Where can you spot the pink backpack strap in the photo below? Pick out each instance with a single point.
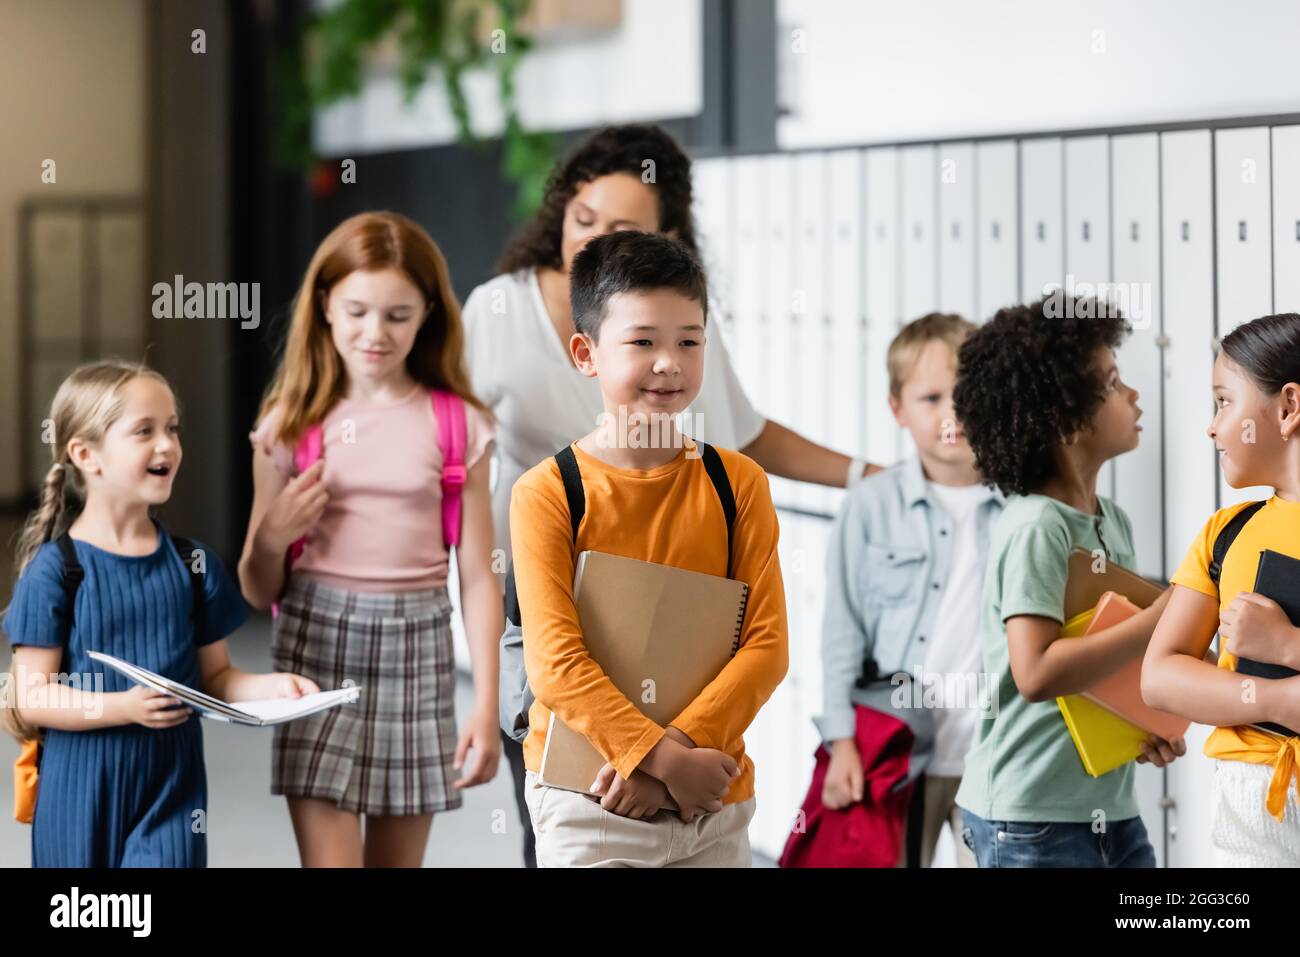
(309, 449)
(449, 413)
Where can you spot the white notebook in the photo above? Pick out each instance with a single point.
(255, 713)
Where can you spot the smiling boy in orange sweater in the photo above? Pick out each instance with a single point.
(640, 308)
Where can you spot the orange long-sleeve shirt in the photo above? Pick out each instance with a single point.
(669, 515)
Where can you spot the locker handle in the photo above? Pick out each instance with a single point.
(1241, 230)
(1133, 231)
(956, 230)
(1086, 230)
(1042, 230)
(916, 231)
(998, 229)
(1297, 230)
(1187, 231)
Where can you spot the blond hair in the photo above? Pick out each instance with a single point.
(912, 338)
(86, 405)
(310, 377)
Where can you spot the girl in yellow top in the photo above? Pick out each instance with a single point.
(1255, 426)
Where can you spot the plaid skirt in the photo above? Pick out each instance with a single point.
(391, 752)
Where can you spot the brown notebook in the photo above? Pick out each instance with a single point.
(660, 633)
(1084, 587)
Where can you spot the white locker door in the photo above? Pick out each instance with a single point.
(779, 339)
(1244, 245)
(1042, 257)
(957, 187)
(1087, 213)
(747, 297)
(882, 300)
(1187, 289)
(1135, 232)
(1087, 233)
(846, 283)
(997, 279)
(713, 214)
(919, 222)
(810, 316)
(1135, 192)
(1286, 219)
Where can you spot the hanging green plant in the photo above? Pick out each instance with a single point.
(446, 38)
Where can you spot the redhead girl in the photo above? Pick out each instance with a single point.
(375, 337)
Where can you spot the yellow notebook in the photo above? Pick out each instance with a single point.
(1105, 741)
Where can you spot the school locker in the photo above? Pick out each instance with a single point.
(1187, 292)
(810, 315)
(1042, 257)
(1135, 205)
(778, 338)
(1087, 233)
(1286, 219)
(747, 284)
(713, 201)
(882, 299)
(997, 278)
(1187, 289)
(1243, 245)
(918, 245)
(957, 180)
(847, 342)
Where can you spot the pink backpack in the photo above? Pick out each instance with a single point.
(449, 413)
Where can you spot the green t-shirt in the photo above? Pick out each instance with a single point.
(1023, 765)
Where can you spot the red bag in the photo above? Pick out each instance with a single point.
(870, 832)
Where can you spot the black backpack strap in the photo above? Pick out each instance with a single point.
(186, 549)
(1227, 536)
(722, 485)
(568, 464)
(73, 575)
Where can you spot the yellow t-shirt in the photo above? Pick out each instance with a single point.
(1276, 526)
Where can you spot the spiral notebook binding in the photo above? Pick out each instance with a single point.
(740, 619)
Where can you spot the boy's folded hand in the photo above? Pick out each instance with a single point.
(638, 797)
(698, 779)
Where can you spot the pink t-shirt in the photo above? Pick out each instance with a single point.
(382, 527)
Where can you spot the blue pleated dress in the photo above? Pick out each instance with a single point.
(126, 796)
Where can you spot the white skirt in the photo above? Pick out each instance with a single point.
(1244, 833)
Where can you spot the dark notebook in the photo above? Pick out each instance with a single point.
(1278, 578)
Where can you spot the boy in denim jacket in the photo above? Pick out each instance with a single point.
(905, 572)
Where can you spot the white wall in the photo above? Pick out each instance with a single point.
(879, 70)
(649, 68)
(57, 104)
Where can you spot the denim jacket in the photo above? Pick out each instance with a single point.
(888, 559)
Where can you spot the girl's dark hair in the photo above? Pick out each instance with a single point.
(615, 149)
(1026, 381)
(1268, 349)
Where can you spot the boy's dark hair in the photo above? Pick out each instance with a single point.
(1267, 349)
(1027, 380)
(630, 261)
(614, 149)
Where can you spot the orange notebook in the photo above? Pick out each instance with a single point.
(1121, 691)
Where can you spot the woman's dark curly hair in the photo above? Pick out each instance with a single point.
(1027, 380)
(615, 149)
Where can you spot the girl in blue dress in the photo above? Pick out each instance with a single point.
(121, 774)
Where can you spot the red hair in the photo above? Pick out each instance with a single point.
(311, 377)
